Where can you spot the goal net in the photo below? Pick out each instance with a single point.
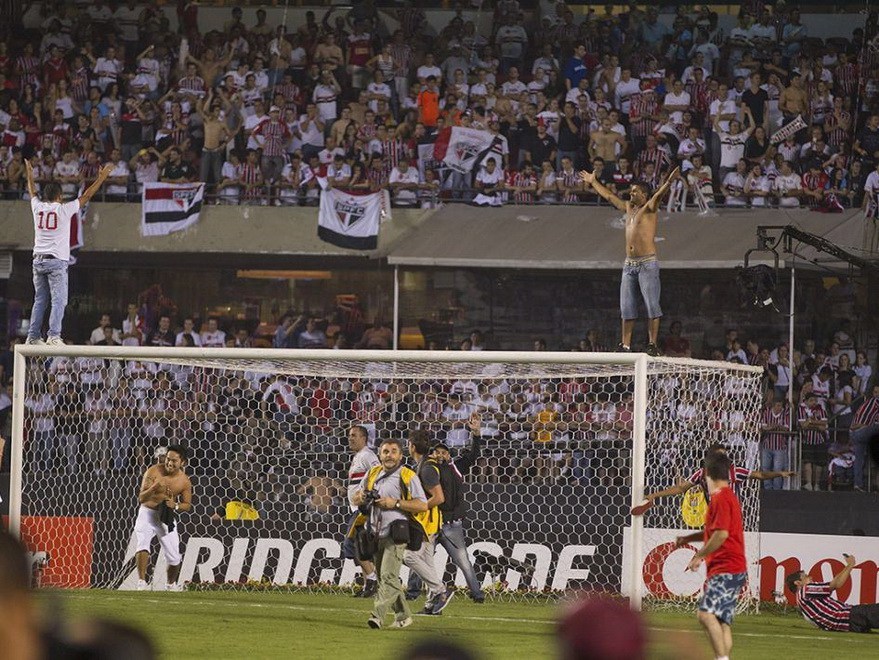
(569, 441)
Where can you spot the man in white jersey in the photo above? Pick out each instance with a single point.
(52, 251)
(364, 459)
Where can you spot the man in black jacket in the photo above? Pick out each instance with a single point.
(454, 508)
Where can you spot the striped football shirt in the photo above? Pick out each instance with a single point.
(822, 609)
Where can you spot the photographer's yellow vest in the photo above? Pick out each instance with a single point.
(430, 520)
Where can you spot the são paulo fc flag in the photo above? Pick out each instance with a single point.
(349, 219)
(170, 207)
(460, 147)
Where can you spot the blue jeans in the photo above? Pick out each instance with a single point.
(640, 274)
(50, 286)
(774, 460)
(451, 537)
(861, 442)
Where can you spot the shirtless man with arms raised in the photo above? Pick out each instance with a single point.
(163, 484)
(641, 269)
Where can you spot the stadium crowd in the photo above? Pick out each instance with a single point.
(563, 431)
(260, 111)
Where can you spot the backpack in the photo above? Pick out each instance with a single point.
(453, 490)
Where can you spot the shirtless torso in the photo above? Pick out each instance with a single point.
(159, 486)
(640, 231)
(214, 133)
(604, 144)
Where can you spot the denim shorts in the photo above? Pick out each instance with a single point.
(721, 595)
(640, 274)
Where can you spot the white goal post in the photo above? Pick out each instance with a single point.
(570, 442)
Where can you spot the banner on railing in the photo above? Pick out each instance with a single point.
(170, 207)
(350, 220)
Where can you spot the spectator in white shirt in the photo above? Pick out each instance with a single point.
(788, 186)
(625, 89)
(732, 144)
(213, 337)
(677, 102)
(229, 187)
(188, 329)
(428, 69)
(338, 172)
(98, 333)
(512, 40)
(709, 52)
(693, 144)
(117, 182)
(758, 187)
(698, 63)
(131, 330)
(734, 185)
(404, 181)
(312, 336)
(378, 89)
(489, 182)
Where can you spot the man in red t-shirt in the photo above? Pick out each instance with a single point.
(724, 554)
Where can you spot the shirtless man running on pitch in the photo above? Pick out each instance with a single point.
(641, 269)
(164, 492)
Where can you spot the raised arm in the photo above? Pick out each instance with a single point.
(679, 488)
(589, 179)
(92, 189)
(840, 578)
(31, 188)
(653, 204)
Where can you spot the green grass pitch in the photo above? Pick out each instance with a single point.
(315, 627)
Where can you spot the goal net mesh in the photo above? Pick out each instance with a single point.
(549, 494)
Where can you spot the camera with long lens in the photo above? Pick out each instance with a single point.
(369, 497)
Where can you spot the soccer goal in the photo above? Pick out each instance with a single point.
(569, 442)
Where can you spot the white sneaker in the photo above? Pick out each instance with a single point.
(807, 486)
(404, 623)
(142, 585)
(54, 341)
(35, 342)
(173, 586)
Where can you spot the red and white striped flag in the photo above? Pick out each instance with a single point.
(170, 207)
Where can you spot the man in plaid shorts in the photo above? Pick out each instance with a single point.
(724, 553)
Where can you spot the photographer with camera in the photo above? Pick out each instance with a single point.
(389, 496)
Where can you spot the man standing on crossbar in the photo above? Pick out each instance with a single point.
(641, 269)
